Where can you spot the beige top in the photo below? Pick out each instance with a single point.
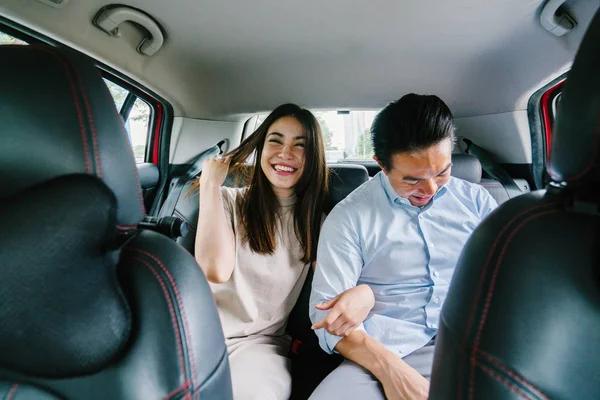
(263, 289)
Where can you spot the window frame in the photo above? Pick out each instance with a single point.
(548, 110)
(541, 117)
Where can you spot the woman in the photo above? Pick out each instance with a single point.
(263, 239)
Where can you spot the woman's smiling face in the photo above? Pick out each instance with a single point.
(282, 158)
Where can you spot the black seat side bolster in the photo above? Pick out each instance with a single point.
(194, 314)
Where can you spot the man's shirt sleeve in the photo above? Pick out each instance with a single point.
(485, 202)
(339, 265)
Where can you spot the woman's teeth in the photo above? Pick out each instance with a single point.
(282, 168)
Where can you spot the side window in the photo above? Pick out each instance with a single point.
(7, 39)
(136, 116)
(118, 93)
(138, 127)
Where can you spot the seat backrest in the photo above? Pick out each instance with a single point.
(468, 167)
(521, 317)
(91, 307)
(343, 178)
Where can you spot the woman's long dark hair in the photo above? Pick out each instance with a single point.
(259, 207)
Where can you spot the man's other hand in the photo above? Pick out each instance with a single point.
(400, 381)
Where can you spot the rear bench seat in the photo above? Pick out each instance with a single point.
(344, 178)
(310, 364)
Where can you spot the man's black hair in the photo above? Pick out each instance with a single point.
(412, 123)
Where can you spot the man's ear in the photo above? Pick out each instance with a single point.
(380, 164)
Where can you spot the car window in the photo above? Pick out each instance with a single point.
(7, 39)
(138, 126)
(118, 93)
(346, 134)
(136, 118)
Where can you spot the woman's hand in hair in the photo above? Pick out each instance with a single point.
(215, 241)
(348, 310)
(215, 171)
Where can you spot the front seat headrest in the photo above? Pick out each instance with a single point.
(575, 158)
(58, 118)
(63, 313)
(467, 167)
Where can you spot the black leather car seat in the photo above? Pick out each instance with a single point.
(91, 307)
(523, 310)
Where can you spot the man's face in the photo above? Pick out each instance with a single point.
(418, 176)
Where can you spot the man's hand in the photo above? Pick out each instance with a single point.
(348, 310)
(400, 381)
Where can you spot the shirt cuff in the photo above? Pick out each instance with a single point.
(330, 341)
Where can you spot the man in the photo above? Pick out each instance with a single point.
(401, 234)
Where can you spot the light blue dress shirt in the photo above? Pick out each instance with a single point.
(406, 254)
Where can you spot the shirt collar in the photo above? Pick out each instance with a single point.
(397, 200)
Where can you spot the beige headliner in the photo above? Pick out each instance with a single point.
(224, 58)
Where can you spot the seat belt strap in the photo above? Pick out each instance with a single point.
(193, 171)
(493, 169)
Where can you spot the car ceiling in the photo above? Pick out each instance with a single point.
(225, 59)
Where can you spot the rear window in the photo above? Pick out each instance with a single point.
(346, 134)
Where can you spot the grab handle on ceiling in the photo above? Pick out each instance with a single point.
(554, 21)
(109, 18)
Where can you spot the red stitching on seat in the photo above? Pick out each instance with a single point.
(480, 288)
(491, 291)
(171, 311)
(514, 375)
(88, 167)
(185, 386)
(12, 392)
(90, 119)
(503, 381)
(187, 332)
(127, 227)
